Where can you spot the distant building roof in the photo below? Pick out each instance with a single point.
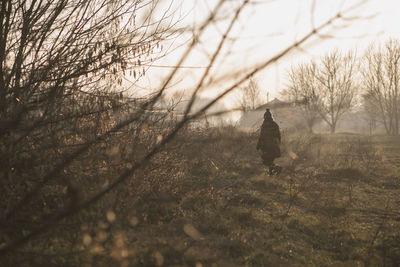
(275, 103)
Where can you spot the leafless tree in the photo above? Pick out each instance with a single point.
(370, 106)
(250, 95)
(337, 86)
(304, 89)
(61, 64)
(381, 81)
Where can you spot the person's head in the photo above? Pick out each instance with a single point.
(267, 114)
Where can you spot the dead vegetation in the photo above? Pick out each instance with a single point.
(206, 200)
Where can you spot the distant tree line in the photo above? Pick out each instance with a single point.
(332, 85)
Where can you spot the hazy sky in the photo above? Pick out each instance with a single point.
(266, 27)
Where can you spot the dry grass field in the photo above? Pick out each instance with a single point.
(206, 201)
(337, 203)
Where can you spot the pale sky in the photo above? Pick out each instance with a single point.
(265, 28)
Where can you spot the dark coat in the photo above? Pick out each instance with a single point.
(270, 139)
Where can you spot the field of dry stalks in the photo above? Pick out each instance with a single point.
(337, 203)
(206, 201)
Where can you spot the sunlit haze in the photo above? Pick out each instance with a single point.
(264, 29)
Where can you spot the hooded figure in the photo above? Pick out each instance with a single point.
(268, 143)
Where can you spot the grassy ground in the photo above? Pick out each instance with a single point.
(206, 201)
(337, 203)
